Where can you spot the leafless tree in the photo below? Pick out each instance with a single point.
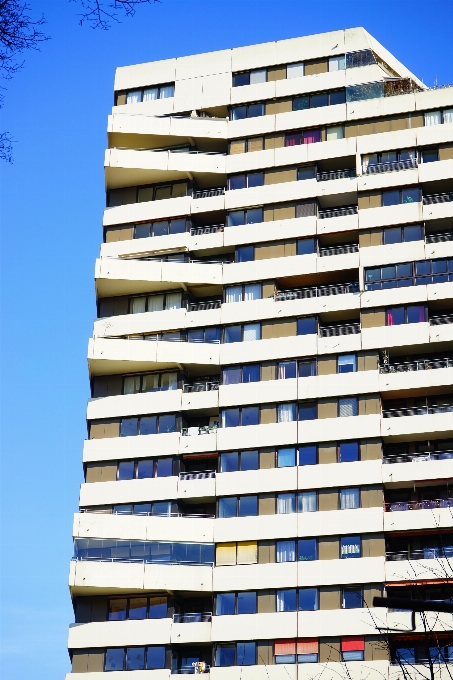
(100, 14)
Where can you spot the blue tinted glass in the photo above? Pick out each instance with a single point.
(236, 218)
(255, 179)
(229, 462)
(237, 182)
(286, 600)
(114, 659)
(307, 368)
(347, 363)
(250, 416)
(135, 659)
(318, 100)
(251, 373)
(241, 79)
(245, 254)
(308, 411)
(123, 510)
(160, 228)
(413, 233)
(239, 113)
(423, 267)
(145, 469)
(248, 506)
(167, 424)
(392, 236)
(255, 110)
(416, 314)
(142, 230)
(350, 547)
(404, 269)
(405, 655)
(391, 197)
(286, 457)
(164, 467)
(227, 507)
(212, 335)
(225, 603)
(373, 274)
(178, 226)
(353, 655)
(307, 658)
(439, 266)
(249, 460)
(352, 598)
(195, 336)
(349, 452)
(126, 470)
(285, 658)
(155, 657)
(410, 195)
(308, 599)
(246, 654)
(286, 551)
(129, 427)
(148, 425)
(306, 172)
(301, 103)
(225, 656)
(306, 246)
(306, 325)
(254, 215)
(247, 603)
(307, 549)
(138, 607)
(162, 508)
(231, 417)
(233, 334)
(388, 272)
(395, 316)
(117, 610)
(337, 97)
(308, 455)
(231, 376)
(142, 508)
(287, 370)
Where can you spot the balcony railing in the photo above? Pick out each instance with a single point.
(417, 457)
(390, 167)
(335, 174)
(200, 306)
(195, 431)
(420, 554)
(417, 411)
(340, 329)
(163, 337)
(339, 250)
(102, 511)
(400, 506)
(212, 229)
(337, 212)
(197, 668)
(202, 617)
(419, 365)
(204, 474)
(206, 193)
(441, 319)
(438, 198)
(316, 291)
(202, 386)
(441, 237)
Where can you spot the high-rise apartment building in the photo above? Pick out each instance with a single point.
(270, 434)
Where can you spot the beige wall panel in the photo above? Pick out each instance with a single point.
(268, 414)
(327, 454)
(327, 499)
(276, 73)
(266, 505)
(373, 546)
(372, 497)
(329, 650)
(329, 598)
(327, 365)
(328, 548)
(327, 408)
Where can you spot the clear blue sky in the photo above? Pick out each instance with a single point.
(52, 200)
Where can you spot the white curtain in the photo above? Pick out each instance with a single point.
(138, 305)
(350, 549)
(233, 294)
(131, 384)
(252, 291)
(349, 499)
(286, 503)
(169, 381)
(286, 369)
(258, 76)
(448, 116)
(308, 501)
(286, 413)
(167, 91)
(155, 303)
(337, 63)
(150, 94)
(286, 551)
(348, 407)
(134, 97)
(335, 132)
(252, 331)
(151, 382)
(295, 70)
(433, 118)
(173, 301)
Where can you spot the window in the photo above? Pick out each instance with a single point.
(134, 658)
(286, 503)
(306, 172)
(236, 654)
(247, 111)
(287, 600)
(210, 335)
(243, 293)
(349, 499)
(245, 254)
(307, 368)
(430, 155)
(239, 460)
(245, 333)
(155, 657)
(308, 410)
(337, 63)
(155, 303)
(241, 417)
(318, 99)
(149, 94)
(241, 374)
(246, 145)
(118, 550)
(286, 413)
(240, 217)
(405, 157)
(307, 501)
(295, 70)
(348, 406)
(413, 232)
(286, 370)
(308, 455)
(334, 132)
(348, 452)
(236, 603)
(250, 77)
(308, 599)
(307, 325)
(114, 660)
(347, 363)
(286, 551)
(433, 118)
(397, 196)
(163, 228)
(225, 604)
(307, 246)
(286, 457)
(352, 648)
(396, 316)
(350, 547)
(307, 549)
(145, 468)
(352, 597)
(407, 274)
(360, 58)
(148, 425)
(304, 137)
(247, 181)
(300, 651)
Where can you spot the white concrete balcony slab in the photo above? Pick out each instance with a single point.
(140, 446)
(178, 577)
(325, 115)
(256, 481)
(136, 404)
(340, 343)
(254, 626)
(390, 215)
(153, 245)
(441, 333)
(417, 471)
(269, 391)
(120, 633)
(340, 622)
(334, 187)
(255, 577)
(207, 204)
(416, 520)
(121, 122)
(384, 180)
(395, 296)
(271, 268)
(257, 528)
(418, 570)
(337, 262)
(144, 322)
(337, 429)
(265, 672)
(393, 382)
(320, 81)
(150, 210)
(335, 475)
(332, 225)
(256, 436)
(395, 336)
(385, 106)
(191, 633)
(435, 622)
(433, 172)
(161, 674)
(128, 491)
(383, 141)
(331, 572)
(244, 162)
(269, 231)
(251, 126)
(338, 384)
(336, 148)
(198, 443)
(196, 488)
(88, 577)
(267, 350)
(253, 93)
(270, 193)
(414, 427)
(438, 211)
(200, 400)
(375, 256)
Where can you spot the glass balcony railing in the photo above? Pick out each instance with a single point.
(148, 552)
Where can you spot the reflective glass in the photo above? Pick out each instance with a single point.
(348, 452)
(391, 197)
(126, 470)
(353, 655)
(164, 467)
(239, 112)
(145, 469)
(227, 507)
(307, 368)
(250, 416)
(230, 417)
(195, 336)
(395, 316)
(166, 91)
(167, 424)
(252, 331)
(117, 610)
(148, 425)
(439, 266)
(237, 182)
(416, 314)
(231, 376)
(150, 383)
(155, 657)
(373, 274)
(248, 506)
(318, 100)
(247, 603)
(393, 235)
(306, 246)
(306, 172)
(233, 334)
(129, 427)
(178, 226)
(251, 373)
(352, 598)
(388, 272)
(225, 604)
(142, 509)
(160, 228)
(286, 457)
(142, 230)
(241, 79)
(410, 195)
(286, 600)
(347, 363)
(337, 97)
(245, 254)
(307, 549)
(308, 411)
(308, 599)
(405, 655)
(249, 460)
(212, 335)
(229, 462)
(349, 499)
(258, 75)
(430, 155)
(308, 455)
(287, 370)
(255, 179)
(123, 509)
(255, 110)
(423, 267)
(169, 381)
(389, 157)
(162, 508)
(306, 325)
(254, 215)
(301, 103)
(236, 218)
(114, 659)
(138, 607)
(404, 269)
(350, 547)
(225, 655)
(131, 384)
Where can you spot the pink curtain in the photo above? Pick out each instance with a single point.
(312, 136)
(293, 139)
(390, 317)
(284, 647)
(421, 314)
(307, 646)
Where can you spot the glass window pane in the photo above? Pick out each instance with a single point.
(164, 467)
(255, 110)
(241, 79)
(307, 501)
(247, 603)
(337, 63)
(350, 546)
(225, 603)
(255, 179)
(236, 218)
(250, 416)
(423, 267)
(231, 376)
(295, 70)
(286, 457)
(347, 363)
(162, 193)
(416, 314)
(195, 336)
(178, 226)
(254, 215)
(237, 182)
(225, 655)
(155, 657)
(404, 269)
(391, 197)
(352, 598)
(167, 424)
(148, 425)
(306, 172)
(286, 413)
(245, 254)
(114, 659)
(348, 407)
(233, 334)
(286, 503)
(430, 155)
(252, 291)
(388, 272)
(393, 235)
(142, 508)
(252, 331)
(258, 76)
(286, 600)
(318, 100)
(239, 112)
(162, 508)
(334, 132)
(353, 656)
(212, 335)
(131, 384)
(150, 94)
(293, 138)
(410, 195)
(230, 417)
(145, 469)
(300, 104)
(349, 499)
(433, 118)
(306, 325)
(137, 305)
(173, 301)
(138, 607)
(135, 658)
(308, 599)
(227, 507)
(126, 470)
(251, 373)
(286, 551)
(308, 455)
(348, 452)
(307, 368)
(229, 462)
(166, 91)
(117, 609)
(338, 97)
(439, 266)
(287, 370)
(249, 460)
(142, 231)
(307, 549)
(395, 316)
(169, 381)
(306, 246)
(134, 97)
(160, 228)
(246, 653)
(123, 510)
(308, 411)
(150, 383)
(312, 136)
(233, 294)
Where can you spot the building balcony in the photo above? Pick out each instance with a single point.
(335, 174)
(434, 199)
(339, 329)
(441, 237)
(201, 617)
(417, 365)
(342, 211)
(211, 229)
(338, 250)
(401, 506)
(376, 168)
(316, 291)
(201, 386)
(417, 411)
(417, 457)
(207, 193)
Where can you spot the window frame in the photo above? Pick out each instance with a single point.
(401, 190)
(405, 308)
(246, 176)
(247, 106)
(158, 417)
(244, 286)
(158, 87)
(246, 212)
(311, 95)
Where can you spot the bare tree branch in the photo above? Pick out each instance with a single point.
(6, 147)
(18, 33)
(100, 14)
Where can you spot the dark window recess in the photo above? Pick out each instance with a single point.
(147, 468)
(399, 196)
(319, 99)
(303, 137)
(134, 658)
(150, 382)
(396, 316)
(240, 217)
(233, 461)
(144, 193)
(147, 94)
(411, 232)
(154, 607)
(390, 160)
(246, 181)
(409, 273)
(149, 425)
(162, 228)
(247, 111)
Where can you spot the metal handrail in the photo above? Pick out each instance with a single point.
(431, 199)
(338, 212)
(147, 514)
(398, 506)
(417, 457)
(419, 554)
(343, 329)
(441, 319)
(202, 386)
(417, 411)
(204, 474)
(160, 337)
(419, 365)
(339, 250)
(316, 291)
(390, 167)
(197, 668)
(440, 237)
(212, 229)
(335, 174)
(206, 193)
(198, 617)
(201, 306)
(139, 560)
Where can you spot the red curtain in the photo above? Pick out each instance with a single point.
(352, 644)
